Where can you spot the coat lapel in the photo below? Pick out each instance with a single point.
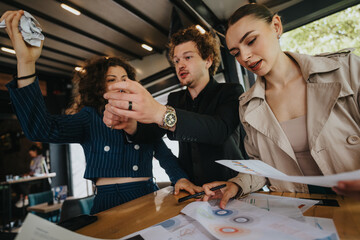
(322, 93)
(321, 98)
(255, 115)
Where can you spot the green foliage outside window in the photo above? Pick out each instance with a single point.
(332, 33)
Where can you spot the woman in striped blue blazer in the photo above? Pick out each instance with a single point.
(121, 170)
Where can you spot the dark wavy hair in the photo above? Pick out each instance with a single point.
(257, 10)
(207, 45)
(36, 149)
(89, 84)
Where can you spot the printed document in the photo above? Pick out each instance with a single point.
(244, 221)
(259, 168)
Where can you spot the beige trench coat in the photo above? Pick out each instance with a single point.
(333, 119)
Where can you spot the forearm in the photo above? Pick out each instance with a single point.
(37, 123)
(146, 133)
(248, 183)
(175, 173)
(25, 69)
(195, 127)
(173, 169)
(26, 55)
(169, 162)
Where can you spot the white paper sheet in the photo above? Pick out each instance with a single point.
(286, 206)
(258, 199)
(152, 233)
(257, 167)
(179, 227)
(243, 221)
(186, 228)
(323, 224)
(36, 228)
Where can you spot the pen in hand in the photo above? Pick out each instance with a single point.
(200, 193)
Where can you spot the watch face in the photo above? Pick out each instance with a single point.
(170, 119)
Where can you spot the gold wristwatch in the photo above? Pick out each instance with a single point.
(169, 119)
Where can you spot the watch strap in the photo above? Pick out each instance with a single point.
(168, 110)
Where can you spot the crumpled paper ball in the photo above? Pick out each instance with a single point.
(29, 28)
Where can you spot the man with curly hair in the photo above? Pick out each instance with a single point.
(203, 117)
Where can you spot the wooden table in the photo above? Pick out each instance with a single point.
(161, 205)
(6, 195)
(28, 179)
(44, 207)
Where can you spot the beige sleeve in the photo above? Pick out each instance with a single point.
(248, 183)
(354, 66)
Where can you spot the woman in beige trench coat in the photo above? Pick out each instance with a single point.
(302, 114)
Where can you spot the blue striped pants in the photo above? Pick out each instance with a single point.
(108, 196)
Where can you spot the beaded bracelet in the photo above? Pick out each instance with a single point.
(25, 77)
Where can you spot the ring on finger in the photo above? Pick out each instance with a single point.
(130, 105)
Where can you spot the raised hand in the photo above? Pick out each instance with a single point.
(144, 109)
(26, 55)
(24, 52)
(113, 121)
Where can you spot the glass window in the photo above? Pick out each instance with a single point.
(329, 34)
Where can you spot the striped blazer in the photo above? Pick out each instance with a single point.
(107, 152)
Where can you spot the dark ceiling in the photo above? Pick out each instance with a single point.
(120, 27)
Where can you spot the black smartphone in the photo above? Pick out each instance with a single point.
(325, 202)
(78, 222)
(328, 202)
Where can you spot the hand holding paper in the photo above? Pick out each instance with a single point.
(26, 54)
(29, 28)
(349, 188)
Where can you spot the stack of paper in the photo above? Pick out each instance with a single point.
(258, 216)
(241, 220)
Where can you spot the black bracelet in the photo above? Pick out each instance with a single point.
(25, 77)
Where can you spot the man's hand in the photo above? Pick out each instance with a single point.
(145, 108)
(224, 194)
(184, 184)
(348, 188)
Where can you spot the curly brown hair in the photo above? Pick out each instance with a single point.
(207, 45)
(89, 85)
